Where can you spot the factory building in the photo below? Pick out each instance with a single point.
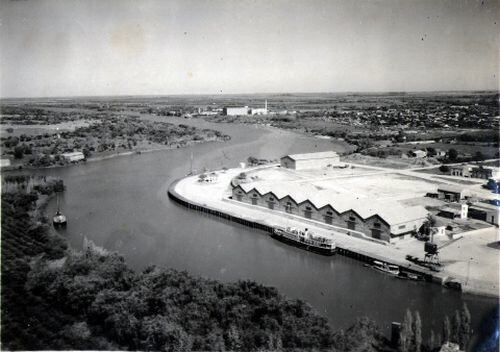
(310, 160)
(380, 221)
(236, 111)
(239, 111)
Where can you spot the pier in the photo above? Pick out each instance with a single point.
(214, 199)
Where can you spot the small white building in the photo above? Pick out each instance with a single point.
(461, 170)
(420, 153)
(310, 160)
(4, 162)
(236, 111)
(73, 157)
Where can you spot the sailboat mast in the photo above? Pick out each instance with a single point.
(191, 167)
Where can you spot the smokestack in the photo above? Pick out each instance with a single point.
(266, 104)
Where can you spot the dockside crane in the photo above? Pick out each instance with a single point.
(432, 250)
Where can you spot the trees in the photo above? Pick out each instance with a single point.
(18, 152)
(406, 333)
(479, 156)
(444, 169)
(410, 338)
(417, 332)
(452, 154)
(446, 329)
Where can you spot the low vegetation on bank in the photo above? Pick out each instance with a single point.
(107, 134)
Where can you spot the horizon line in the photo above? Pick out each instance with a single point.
(254, 93)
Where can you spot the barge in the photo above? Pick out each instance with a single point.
(305, 240)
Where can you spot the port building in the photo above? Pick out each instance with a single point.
(310, 160)
(386, 221)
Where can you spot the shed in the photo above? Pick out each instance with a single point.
(450, 193)
(486, 212)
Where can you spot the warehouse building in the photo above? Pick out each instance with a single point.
(236, 111)
(310, 160)
(382, 221)
(450, 193)
(485, 212)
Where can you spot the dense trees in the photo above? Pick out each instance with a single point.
(452, 154)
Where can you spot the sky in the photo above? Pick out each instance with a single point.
(88, 48)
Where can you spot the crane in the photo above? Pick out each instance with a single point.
(432, 250)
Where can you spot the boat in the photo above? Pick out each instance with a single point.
(59, 220)
(390, 269)
(409, 276)
(305, 239)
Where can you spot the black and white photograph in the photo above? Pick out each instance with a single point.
(250, 175)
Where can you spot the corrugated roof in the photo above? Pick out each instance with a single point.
(392, 212)
(319, 155)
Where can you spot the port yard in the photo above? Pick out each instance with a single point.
(472, 260)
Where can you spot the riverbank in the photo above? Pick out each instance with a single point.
(113, 155)
(473, 275)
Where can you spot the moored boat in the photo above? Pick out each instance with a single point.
(390, 269)
(59, 219)
(305, 239)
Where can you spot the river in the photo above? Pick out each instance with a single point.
(122, 204)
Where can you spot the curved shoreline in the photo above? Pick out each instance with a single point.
(178, 198)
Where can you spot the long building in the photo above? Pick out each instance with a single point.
(236, 111)
(245, 110)
(310, 160)
(386, 221)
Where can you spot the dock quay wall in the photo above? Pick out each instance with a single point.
(174, 196)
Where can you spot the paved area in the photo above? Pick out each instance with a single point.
(473, 260)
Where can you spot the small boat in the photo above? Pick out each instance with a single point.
(59, 220)
(305, 239)
(390, 269)
(409, 276)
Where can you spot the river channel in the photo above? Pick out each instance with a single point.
(122, 205)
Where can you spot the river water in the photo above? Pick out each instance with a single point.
(122, 204)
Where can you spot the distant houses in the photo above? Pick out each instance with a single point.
(475, 171)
